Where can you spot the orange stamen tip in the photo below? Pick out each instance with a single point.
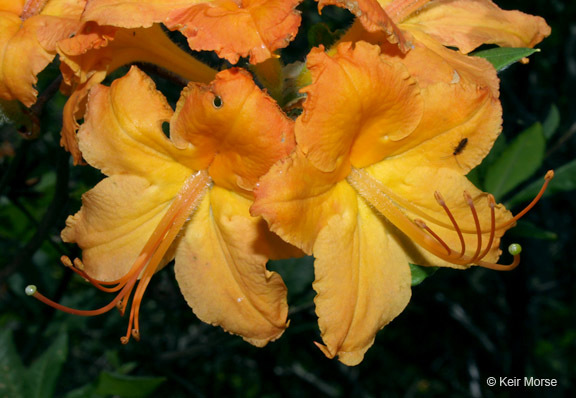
(136, 334)
(468, 198)
(549, 175)
(439, 198)
(124, 340)
(66, 261)
(420, 223)
(30, 290)
(79, 264)
(491, 201)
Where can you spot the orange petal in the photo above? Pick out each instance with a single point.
(26, 48)
(467, 24)
(116, 219)
(373, 18)
(232, 127)
(233, 29)
(128, 117)
(221, 270)
(297, 199)
(131, 13)
(362, 281)
(358, 104)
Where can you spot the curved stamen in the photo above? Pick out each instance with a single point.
(424, 236)
(470, 202)
(442, 203)
(148, 261)
(547, 178)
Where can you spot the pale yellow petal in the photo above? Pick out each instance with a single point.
(117, 218)
(362, 280)
(221, 270)
(128, 117)
(467, 24)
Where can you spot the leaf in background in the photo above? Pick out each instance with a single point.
(44, 371)
(550, 125)
(321, 34)
(127, 386)
(564, 180)
(503, 57)
(526, 229)
(419, 273)
(12, 372)
(518, 162)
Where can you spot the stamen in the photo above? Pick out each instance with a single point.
(470, 202)
(399, 10)
(184, 204)
(417, 230)
(442, 203)
(547, 178)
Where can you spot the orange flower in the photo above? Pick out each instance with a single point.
(464, 24)
(186, 198)
(231, 28)
(96, 51)
(29, 33)
(377, 182)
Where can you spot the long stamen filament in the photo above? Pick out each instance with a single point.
(418, 231)
(184, 204)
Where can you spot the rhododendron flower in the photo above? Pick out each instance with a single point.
(186, 198)
(96, 51)
(231, 28)
(29, 33)
(464, 24)
(374, 185)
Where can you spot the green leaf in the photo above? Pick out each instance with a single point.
(127, 386)
(503, 57)
(419, 273)
(44, 371)
(564, 180)
(321, 34)
(12, 372)
(518, 162)
(550, 125)
(528, 230)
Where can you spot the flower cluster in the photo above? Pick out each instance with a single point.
(358, 158)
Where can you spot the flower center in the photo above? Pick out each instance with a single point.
(148, 261)
(390, 206)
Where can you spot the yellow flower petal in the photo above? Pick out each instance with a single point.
(233, 128)
(221, 270)
(362, 281)
(345, 118)
(298, 200)
(117, 218)
(128, 117)
(467, 24)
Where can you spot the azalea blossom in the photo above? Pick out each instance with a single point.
(231, 28)
(186, 198)
(376, 183)
(29, 33)
(96, 51)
